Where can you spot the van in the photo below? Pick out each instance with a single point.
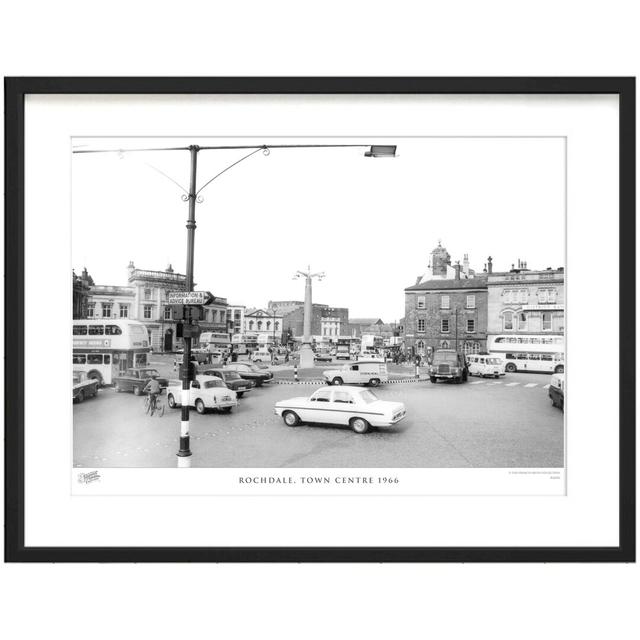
(485, 365)
(262, 355)
(556, 390)
(371, 372)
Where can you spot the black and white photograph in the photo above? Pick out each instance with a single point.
(313, 302)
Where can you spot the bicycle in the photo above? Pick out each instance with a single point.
(154, 405)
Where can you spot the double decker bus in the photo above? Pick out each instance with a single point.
(104, 348)
(371, 345)
(529, 353)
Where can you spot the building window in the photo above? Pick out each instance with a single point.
(471, 347)
(91, 308)
(471, 325)
(444, 344)
(147, 294)
(471, 302)
(546, 322)
(507, 321)
(421, 302)
(106, 310)
(259, 325)
(147, 312)
(420, 346)
(560, 322)
(421, 324)
(523, 295)
(124, 310)
(546, 295)
(268, 325)
(444, 325)
(522, 321)
(250, 325)
(444, 302)
(167, 313)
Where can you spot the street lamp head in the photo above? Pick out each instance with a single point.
(381, 151)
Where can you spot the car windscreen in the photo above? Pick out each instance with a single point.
(368, 396)
(210, 384)
(148, 372)
(232, 375)
(445, 357)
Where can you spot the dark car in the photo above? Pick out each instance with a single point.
(232, 379)
(84, 387)
(448, 364)
(136, 379)
(250, 371)
(556, 390)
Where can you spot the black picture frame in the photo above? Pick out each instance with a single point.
(15, 91)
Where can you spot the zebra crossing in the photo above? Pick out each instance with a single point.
(527, 385)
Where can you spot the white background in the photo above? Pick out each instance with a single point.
(490, 38)
(587, 516)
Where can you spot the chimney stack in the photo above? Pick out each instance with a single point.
(490, 264)
(457, 268)
(465, 264)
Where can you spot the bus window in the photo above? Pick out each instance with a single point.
(94, 358)
(96, 329)
(112, 330)
(546, 356)
(107, 358)
(79, 359)
(534, 356)
(80, 330)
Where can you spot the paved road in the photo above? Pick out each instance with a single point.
(484, 423)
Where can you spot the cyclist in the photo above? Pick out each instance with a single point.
(153, 389)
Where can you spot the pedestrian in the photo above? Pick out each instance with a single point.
(286, 356)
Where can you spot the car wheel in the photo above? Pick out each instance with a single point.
(559, 369)
(291, 419)
(359, 425)
(136, 391)
(374, 382)
(433, 379)
(240, 394)
(227, 409)
(336, 381)
(81, 396)
(511, 368)
(200, 408)
(171, 401)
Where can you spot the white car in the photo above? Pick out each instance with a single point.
(206, 392)
(353, 406)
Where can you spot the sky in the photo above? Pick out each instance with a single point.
(368, 223)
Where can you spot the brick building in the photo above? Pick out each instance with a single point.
(446, 308)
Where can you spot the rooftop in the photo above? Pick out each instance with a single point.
(440, 285)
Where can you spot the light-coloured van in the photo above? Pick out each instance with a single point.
(262, 355)
(485, 365)
(371, 372)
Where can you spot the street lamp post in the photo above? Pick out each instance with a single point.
(192, 196)
(306, 352)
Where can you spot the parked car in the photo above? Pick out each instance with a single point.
(556, 390)
(353, 406)
(232, 380)
(371, 372)
(485, 365)
(136, 378)
(206, 392)
(253, 372)
(322, 356)
(84, 387)
(448, 364)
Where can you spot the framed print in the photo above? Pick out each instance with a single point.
(320, 319)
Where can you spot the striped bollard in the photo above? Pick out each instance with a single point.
(295, 372)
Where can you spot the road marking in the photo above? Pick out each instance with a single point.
(512, 384)
(478, 382)
(531, 384)
(495, 382)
